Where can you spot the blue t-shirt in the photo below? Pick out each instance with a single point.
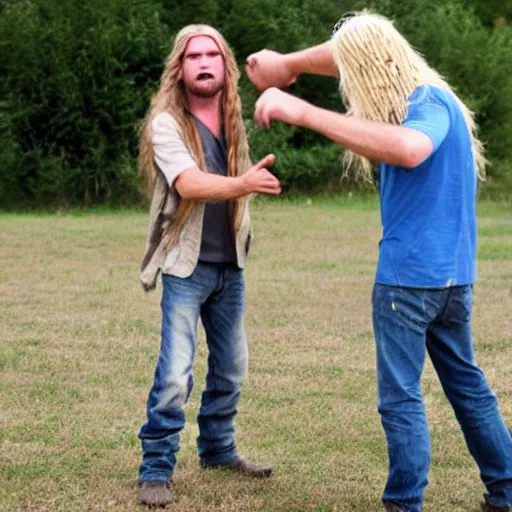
(428, 212)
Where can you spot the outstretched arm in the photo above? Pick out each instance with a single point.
(379, 142)
(202, 186)
(267, 68)
(180, 169)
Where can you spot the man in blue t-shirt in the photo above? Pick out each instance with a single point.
(402, 114)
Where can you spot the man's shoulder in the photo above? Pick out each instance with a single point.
(428, 95)
(165, 121)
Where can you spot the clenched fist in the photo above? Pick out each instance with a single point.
(267, 68)
(276, 105)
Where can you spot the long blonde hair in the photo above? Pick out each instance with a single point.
(379, 70)
(171, 98)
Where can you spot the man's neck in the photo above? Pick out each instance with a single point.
(208, 111)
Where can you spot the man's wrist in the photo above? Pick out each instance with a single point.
(308, 115)
(241, 186)
(292, 65)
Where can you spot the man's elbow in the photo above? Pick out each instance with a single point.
(413, 158)
(192, 194)
(416, 152)
(185, 192)
(185, 186)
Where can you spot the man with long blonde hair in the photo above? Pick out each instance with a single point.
(194, 162)
(402, 114)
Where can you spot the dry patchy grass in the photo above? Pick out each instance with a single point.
(79, 340)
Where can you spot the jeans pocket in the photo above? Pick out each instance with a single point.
(403, 306)
(460, 304)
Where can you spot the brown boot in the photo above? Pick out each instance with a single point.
(242, 466)
(155, 493)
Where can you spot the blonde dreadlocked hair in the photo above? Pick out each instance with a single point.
(379, 70)
(171, 97)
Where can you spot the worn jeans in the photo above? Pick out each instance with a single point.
(216, 293)
(408, 322)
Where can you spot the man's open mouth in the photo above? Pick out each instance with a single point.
(204, 76)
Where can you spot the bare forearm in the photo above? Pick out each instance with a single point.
(202, 186)
(379, 142)
(317, 60)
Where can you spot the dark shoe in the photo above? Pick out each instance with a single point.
(487, 507)
(155, 493)
(392, 507)
(242, 466)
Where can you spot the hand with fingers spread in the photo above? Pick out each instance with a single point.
(276, 105)
(259, 180)
(267, 68)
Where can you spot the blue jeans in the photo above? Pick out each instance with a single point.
(216, 293)
(408, 322)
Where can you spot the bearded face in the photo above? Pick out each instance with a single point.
(203, 70)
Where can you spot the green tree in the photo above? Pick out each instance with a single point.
(77, 77)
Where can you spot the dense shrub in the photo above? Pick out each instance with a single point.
(76, 79)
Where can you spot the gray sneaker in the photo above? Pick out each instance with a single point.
(240, 465)
(155, 493)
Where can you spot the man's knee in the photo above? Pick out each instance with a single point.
(174, 392)
(476, 407)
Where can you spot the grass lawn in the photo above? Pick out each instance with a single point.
(79, 341)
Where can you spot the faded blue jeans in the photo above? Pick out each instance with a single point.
(408, 322)
(216, 293)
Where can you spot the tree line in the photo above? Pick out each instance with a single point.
(76, 78)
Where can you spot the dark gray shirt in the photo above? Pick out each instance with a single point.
(217, 245)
